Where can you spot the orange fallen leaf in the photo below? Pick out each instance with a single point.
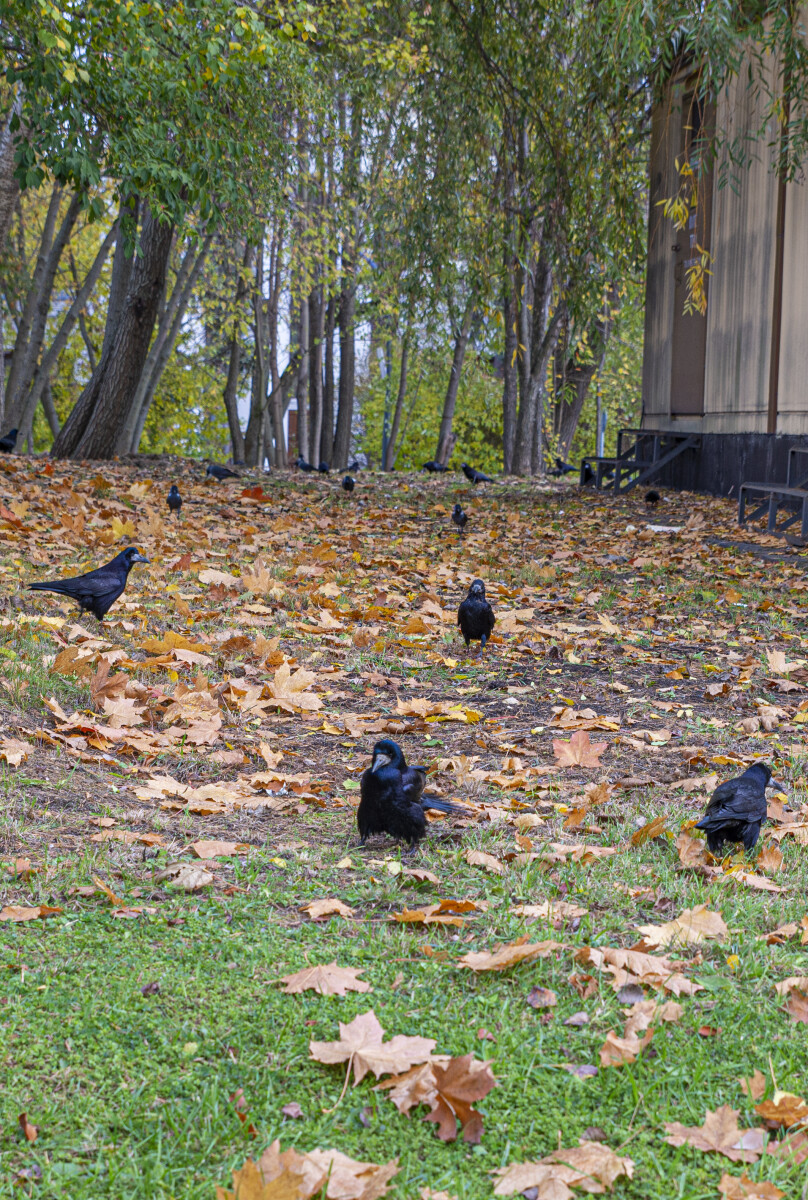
(691, 927)
(592, 1166)
(755, 1086)
(651, 830)
(741, 1187)
(321, 910)
(508, 956)
(30, 1131)
(783, 1111)
(18, 912)
(205, 849)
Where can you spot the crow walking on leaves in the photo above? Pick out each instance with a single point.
(653, 497)
(302, 465)
(459, 518)
(475, 615)
(324, 468)
(348, 484)
(737, 809)
(174, 499)
(392, 797)
(475, 476)
(221, 473)
(98, 590)
(433, 466)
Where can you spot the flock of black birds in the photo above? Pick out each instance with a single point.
(393, 797)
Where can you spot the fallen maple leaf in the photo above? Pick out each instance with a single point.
(552, 910)
(287, 1175)
(691, 927)
(13, 751)
(651, 830)
(328, 979)
(478, 858)
(458, 1085)
(508, 956)
(361, 1045)
(720, 1134)
(213, 849)
(289, 692)
(741, 1187)
(755, 1086)
(187, 876)
(784, 1111)
(578, 751)
(321, 910)
(591, 1166)
(617, 1051)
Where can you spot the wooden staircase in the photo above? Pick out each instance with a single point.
(639, 463)
(773, 500)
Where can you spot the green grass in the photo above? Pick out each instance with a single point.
(131, 1093)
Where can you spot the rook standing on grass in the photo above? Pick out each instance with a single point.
(98, 590)
(475, 615)
(393, 799)
(737, 809)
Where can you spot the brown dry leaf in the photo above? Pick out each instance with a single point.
(18, 912)
(719, 1134)
(328, 979)
(754, 1087)
(592, 1166)
(797, 1006)
(542, 997)
(783, 1111)
(420, 875)
(578, 751)
(508, 956)
(692, 850)
(362, 1046)
(651, 830)
(431, 915)
(187, 876)
(13, 751)
(635, 966)
(690, 928)
(205, 849)
(552, 910)
(478, 858)
(457, 1086)
(770, 860)
(321, 910)
(741, 1187)
(108, 892)
(759, 882)
(617, 1051)
(289, 691)
(287, 1175)
(30, 1132)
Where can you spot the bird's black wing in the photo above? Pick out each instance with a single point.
(722, 795)
(385, 807)
(745, 802)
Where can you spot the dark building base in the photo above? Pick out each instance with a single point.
(726, 460)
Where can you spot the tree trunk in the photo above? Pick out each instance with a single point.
(258, 394)
(577, 380)
(347, 375)
(40, 382)
(510, 317)
(538, 336)
(234, 365)
(303, 379)
(49, 409)
(92, 428)
(445, 437)
(163, 346)
(327, 431)
(390, 457)
(26, 321)
(9, 187)
(316, 330)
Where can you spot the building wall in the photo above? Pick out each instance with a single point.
(741, 291)
(792, 393)
(659, 288)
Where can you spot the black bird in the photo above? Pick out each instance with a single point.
(98, 590)
(392, 797)
(475, 615)
(354, 466)
(174, 499)
(323, 468)
(302, 465)
(652, 497)
(562, 468)
(8, 442)
(433, 465)
(459, 518)
(221, 473)
(475, 476)
(737, 809)
(348, 484)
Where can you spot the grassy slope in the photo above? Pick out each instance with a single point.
(131, 1093)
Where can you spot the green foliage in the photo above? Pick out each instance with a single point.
(619, 381)
(478, 415)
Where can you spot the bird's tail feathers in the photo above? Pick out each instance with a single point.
(50, 587)
(444, 806)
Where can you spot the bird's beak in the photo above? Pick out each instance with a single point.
(773, 783)
(381, 760)
(140, 558)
